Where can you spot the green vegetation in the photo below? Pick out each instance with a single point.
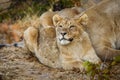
(20, 8)
(100, 71)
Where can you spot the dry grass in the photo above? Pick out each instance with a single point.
(14, 32)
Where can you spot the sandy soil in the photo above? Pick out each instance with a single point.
(18, 64)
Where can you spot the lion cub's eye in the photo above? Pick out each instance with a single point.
(72, 26)
(60, 26)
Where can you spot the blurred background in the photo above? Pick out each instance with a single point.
(17, 15)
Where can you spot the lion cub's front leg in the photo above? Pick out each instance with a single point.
(68, 63)
(30, 37)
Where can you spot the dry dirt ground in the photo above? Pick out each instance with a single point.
(19, 64)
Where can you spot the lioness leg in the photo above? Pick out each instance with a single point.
(30, 37)
(106, 52)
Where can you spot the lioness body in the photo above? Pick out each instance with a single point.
(104, 28)
(58, 51)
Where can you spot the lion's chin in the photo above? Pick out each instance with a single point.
(64, 42)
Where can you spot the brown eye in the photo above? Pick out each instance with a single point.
(60, 26)
(72, 26)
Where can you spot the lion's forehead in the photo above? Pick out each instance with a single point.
(66, 23)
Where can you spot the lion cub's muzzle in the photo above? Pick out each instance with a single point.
(64, 39)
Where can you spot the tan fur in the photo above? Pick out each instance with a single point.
(67, 54)
(46, 18)
(104, 28)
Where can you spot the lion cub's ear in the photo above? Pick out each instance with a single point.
(82, 19)
(56, 19)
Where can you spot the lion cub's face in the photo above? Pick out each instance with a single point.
(68, 30)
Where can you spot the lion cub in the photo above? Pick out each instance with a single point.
(61, 41)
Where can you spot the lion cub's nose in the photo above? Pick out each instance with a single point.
(63, 33)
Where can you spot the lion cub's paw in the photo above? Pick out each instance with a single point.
(74, 65)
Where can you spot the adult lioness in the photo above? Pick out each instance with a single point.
(63, 43)
(104, 28)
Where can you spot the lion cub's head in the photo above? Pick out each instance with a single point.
(68, 30)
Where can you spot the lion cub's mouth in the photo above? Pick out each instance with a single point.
(70, 39)
(64, 41)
